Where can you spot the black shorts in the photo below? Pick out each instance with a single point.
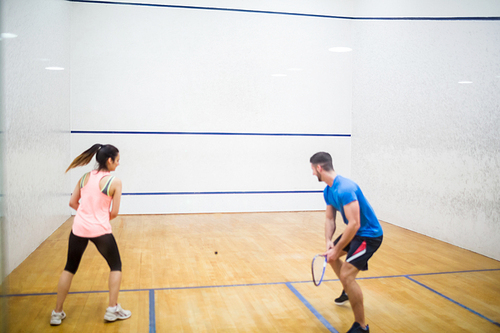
(105, 244)
(360, 249)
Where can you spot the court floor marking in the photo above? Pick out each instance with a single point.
(311, 308)
(152, 311)
(152, 308)
(453, 301)
(256, 284)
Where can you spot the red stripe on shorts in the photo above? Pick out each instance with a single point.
(358, 253)
(362, 247)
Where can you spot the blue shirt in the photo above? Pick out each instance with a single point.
(344, 191)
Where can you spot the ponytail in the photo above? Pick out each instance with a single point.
(102, 152)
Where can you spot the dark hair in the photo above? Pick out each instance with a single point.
(102, 154)
(323, 159)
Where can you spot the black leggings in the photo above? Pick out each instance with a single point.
(106, 245)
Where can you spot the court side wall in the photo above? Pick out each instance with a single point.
(214, 109)
(35, 121)
(425, 147)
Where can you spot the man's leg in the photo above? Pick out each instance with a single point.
(337, 264)
(337, 267)
(347, 276)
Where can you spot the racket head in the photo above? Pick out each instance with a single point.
(318, 267)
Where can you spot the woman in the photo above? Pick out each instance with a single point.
(92, 200)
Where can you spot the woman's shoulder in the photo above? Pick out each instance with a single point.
(84, 179)
(116, 180)
(112, 179)
(108, 175)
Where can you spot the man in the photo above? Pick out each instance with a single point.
(361, 238)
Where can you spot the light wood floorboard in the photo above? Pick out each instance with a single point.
(414, 283)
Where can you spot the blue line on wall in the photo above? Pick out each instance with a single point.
(311, 308)
(208, 133)
(476, 18)
(212, 193)
(206, 8)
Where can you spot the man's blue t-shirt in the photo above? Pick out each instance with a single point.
(344, 191)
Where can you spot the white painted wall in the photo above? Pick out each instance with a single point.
(300, 7)
(425, 8)
(425, 148)
(35, 122)
(162, 69)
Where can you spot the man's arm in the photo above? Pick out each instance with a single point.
(351, 211)
(330, 225)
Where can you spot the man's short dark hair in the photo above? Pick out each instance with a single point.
(323, 159)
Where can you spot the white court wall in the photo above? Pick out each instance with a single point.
(222, 109)
(35, 121)
(426, 147)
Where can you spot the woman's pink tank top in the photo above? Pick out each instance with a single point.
(92, 217)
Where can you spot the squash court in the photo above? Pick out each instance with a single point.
(216, 108)
(259, 280)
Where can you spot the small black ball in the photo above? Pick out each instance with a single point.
(215, 252)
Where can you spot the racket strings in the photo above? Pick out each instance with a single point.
(318, 269)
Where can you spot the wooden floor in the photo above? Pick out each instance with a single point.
(258, 282)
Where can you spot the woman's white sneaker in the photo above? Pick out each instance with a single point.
(116, 312)
(56, 318)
